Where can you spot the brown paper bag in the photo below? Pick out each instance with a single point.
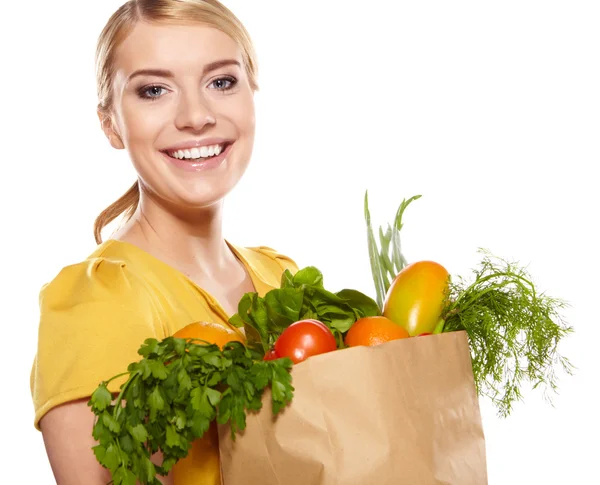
(405, 412)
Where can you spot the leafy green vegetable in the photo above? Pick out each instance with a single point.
(171, 397)
(513, 330)
(301, 296)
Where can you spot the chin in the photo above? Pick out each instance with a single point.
(202, 195)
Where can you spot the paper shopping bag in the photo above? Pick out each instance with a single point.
(402, 413)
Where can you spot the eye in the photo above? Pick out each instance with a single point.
(150, 92)
(224, 83)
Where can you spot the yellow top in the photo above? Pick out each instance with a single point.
(95, 315)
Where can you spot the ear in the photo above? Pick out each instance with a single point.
(110, 130)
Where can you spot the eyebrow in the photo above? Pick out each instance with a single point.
(166, 73)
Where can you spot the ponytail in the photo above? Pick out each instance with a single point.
(127, 204)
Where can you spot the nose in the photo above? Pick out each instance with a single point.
(193, 112)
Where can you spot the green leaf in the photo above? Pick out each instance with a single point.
(283, 307)
(244, 307)
(110, 422)
(309, 276)
(201, 403)
(173, 438)
(158, 369)
(320, 296)
(150, 346)
(340, 322)
(100, 452)
(361, 302)
(213, 396)
(145, 369)
(287, 279)
(101, 398)
(199, 351)
(200, 424)
(286, 302)
(282, 390)
(139, 433)
(180, 419)
(168, 463)
(260, 374)
(123, 476)
(156, 402)
(310, 314)
(183, 378)
(147, 468)
(259, 315)
(126, 444)
(252, 310)
(179, 345)
(111, 459)
(214, 380)
(101, 433)
(237, 321)
(214, 359)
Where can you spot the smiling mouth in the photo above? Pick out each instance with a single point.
(198, 153)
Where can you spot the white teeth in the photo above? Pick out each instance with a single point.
(198, 152)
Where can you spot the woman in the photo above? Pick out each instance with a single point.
(176, 80)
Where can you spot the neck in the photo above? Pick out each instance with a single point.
(192, 240)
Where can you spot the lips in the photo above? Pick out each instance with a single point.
(192, 159)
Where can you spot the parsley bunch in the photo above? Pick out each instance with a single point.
(170, 399)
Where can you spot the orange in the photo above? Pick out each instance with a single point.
(213, 333)
(372, 331)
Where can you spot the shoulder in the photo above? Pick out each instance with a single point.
(94, 315)
(93, 279)
(268, 257)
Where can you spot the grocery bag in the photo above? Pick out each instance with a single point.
(404, 413)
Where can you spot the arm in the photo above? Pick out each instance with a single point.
(67, 432)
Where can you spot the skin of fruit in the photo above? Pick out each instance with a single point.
(371, 331)
(304, 339)
(271, 355)
(416, 297)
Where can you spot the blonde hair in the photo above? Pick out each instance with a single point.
(119, 26)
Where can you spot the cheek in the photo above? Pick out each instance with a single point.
(244, 115)
(141, 124)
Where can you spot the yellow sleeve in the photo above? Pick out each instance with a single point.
(94, 316)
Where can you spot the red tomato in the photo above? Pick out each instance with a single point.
(425, 333)
(304, 339)
(271, 355)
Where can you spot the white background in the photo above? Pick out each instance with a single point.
(490, 110)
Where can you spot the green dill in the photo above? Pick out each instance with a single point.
(514, 331)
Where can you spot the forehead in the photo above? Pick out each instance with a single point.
(173, 47)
